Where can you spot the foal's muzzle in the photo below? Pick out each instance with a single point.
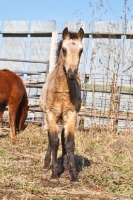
(71, 74)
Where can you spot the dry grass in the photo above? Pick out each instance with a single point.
(104, 162)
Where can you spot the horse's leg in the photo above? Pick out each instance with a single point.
(2, 108)
(70, 119)
(12, 119)
(47, 158)
(64, 153)
(53, 142)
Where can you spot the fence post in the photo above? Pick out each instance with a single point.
(53, 49)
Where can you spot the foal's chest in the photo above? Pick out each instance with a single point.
(62, 101)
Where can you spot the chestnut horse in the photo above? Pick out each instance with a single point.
(61, 100)
(13, 94)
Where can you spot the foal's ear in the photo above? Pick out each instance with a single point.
(66, 34)
(81, 33)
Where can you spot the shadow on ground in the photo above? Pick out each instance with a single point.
(80, 163)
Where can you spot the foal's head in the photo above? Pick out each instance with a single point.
(71, 52)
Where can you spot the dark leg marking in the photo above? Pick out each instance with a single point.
(64, 153)
(70, 144)
(54, 144)
(47, 159)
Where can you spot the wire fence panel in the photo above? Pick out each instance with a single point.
(105, 62)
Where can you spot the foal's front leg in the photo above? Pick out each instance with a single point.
(53, 143)
(70, 119)
(64, 153)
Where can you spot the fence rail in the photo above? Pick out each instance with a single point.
(60, 32)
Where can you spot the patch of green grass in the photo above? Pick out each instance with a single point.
(2, 153)
(116, 159)
(5, 171)
(94, 145)
(61, 198)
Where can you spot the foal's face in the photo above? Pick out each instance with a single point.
(71, 52)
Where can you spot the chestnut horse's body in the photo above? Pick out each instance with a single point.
(13, 94)
(61, 100)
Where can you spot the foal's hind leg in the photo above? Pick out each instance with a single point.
(70, 119)
(53, 142)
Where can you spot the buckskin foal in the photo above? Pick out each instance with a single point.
(61, 100)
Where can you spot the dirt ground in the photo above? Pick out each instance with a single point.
(104, 163)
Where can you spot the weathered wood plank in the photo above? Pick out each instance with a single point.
(106, 50)
(46, 26)
(40, 45)
(13, 26)
(39, 49)
(14, 47)
(128, 58)
(107, 26)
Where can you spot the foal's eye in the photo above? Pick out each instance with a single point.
(80, 52)
(64, 51)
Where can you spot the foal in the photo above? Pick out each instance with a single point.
(13, 94)
(61, 100)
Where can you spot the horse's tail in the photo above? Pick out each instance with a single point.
(22, 112)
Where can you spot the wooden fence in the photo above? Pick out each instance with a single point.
(105, 67)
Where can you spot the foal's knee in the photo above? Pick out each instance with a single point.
(54, 140)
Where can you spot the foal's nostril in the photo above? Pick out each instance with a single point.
(72, 74)
(75, 71)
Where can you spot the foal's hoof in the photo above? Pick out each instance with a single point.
(45, 166)
(74, 180)
(54, 179)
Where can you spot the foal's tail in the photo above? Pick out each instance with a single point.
(22, 112)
